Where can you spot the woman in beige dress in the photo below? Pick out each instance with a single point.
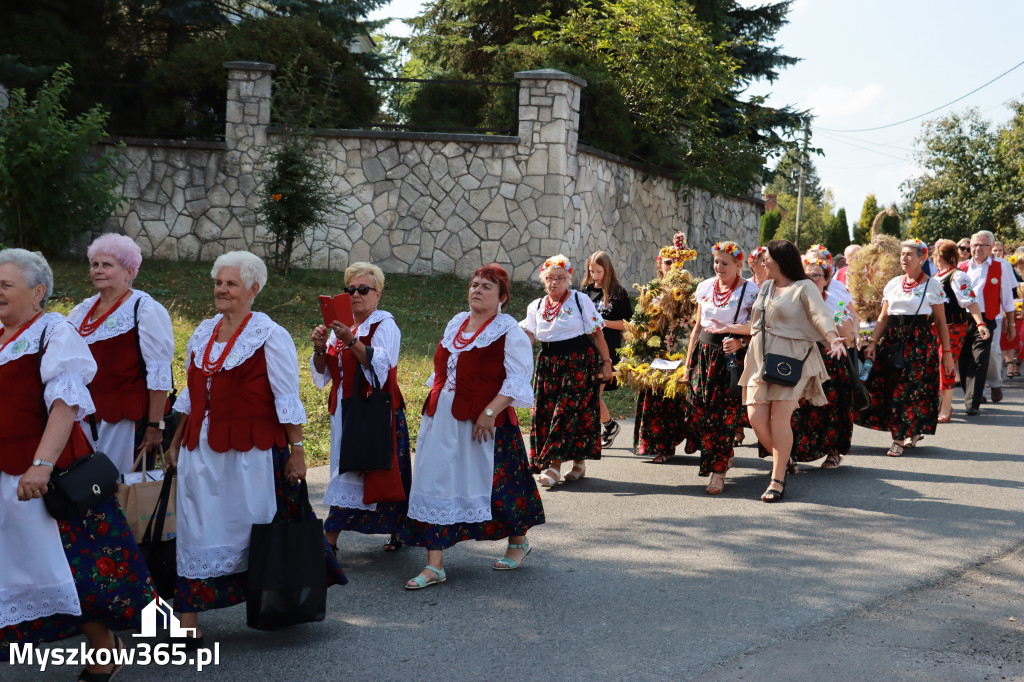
(795, 318)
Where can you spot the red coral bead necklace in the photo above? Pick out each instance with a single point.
(911, 284)
(89, 325)
(461, 342)
(719, 300)
(211, 368)
(551, 311)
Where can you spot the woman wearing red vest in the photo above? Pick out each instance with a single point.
(373, 501)
(57, 579)
(567, 409)
(132, 340)
(471, 478)
(241, 449)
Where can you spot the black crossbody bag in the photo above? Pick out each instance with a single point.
(733, 360)
(781, 370)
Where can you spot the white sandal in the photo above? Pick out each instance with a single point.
(579, 470)
(550, 477)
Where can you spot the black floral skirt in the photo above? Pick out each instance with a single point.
(904, 402)
(566, 410)
(713, 414)
(660, 424)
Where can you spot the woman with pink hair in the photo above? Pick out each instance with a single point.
(132, 340)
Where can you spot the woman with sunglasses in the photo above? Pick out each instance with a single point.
(364, 502)
(573, 358)
(961, 307)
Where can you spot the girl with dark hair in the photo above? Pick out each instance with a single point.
(611, 300)
(794, 317)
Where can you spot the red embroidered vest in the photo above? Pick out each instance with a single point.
(992, 288)
(119, 388)
(22, 420)
(486, 367)
(343, 377)
(240, 404)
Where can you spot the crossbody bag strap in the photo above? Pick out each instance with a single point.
(923, 294)
(42, 347)
(764, 332)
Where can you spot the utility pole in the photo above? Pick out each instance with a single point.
(800, 187)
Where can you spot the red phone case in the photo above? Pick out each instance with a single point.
(343, 309)
(327, 309)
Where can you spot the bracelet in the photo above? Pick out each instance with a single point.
(608, 362)
(296, 444)
(319, 352)
(981, 324)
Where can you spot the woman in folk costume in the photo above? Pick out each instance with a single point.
(57, 578)
(373, 501)
(660, 423)
(825, 430)
(241, 452)
(132, 339)
(573, 358)
(713, 411)
(471, 477)
(904, 381)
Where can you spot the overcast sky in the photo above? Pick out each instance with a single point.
(869, 63)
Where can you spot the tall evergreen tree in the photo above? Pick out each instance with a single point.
(839, 233)
(786, 177)
(862, 230)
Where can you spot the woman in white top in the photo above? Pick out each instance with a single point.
(241, 449)
(132, 339)
(369, 502)
(573, 358)
(471, 478)
(904, 381)
(714, 411)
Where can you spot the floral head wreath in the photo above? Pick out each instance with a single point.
(756, 253)
(815, 259)
(822, 254)
(677, 253)
(825, 253)
(1013, 259)
(558, 261)
(731, 249)
(916, 243)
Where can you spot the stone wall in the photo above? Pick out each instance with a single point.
(426, 203)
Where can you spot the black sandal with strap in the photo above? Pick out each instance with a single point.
(772, 495)
(393, 545)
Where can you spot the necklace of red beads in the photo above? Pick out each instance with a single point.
(18, 333)
(721, 299)
(945, 272)
(551, 311)
(211, 368)
(911, 284)
(89, 325)
(460, 341)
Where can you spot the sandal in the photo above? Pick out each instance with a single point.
(944, 418)
(792, 468)
(506, 564)
(772, 495)
(718, 489)
(895, 450)
(914, 440)
(578, 471)
(662, 458)
(86, 676)
(737, 438)
(832, 461)
(550, 477)
(392, 545)
(419, 582)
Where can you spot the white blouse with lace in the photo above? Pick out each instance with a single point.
(452, 473)
(577, 316)
(919, 301)
(712, 315)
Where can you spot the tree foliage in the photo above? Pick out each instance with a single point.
(839, 233)
(862, 228)
(52, 187)
(815, 220)
(786, 177)
(770, 222)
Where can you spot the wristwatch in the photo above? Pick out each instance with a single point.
(489, 412)
(42, 463)
(156, 425)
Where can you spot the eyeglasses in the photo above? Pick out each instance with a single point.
(556, 279)
(815, 277)
(981, 246)
(363, 290)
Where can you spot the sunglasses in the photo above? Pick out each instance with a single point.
(964, 248)
(363, 290)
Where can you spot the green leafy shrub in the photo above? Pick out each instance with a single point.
(52, 185)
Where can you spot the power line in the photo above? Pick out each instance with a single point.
(873, 151)
(841, 138)
(932, 111)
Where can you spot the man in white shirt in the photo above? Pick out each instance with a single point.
(992, 280)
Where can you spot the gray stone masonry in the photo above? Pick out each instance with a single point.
(424, 203)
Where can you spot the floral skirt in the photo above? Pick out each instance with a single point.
(203, 594)
(905, 403)
(828, 429)
(957, 334)
(567, 410)
(515, 502)
(660, 424)
(112, 580)
(389, 516)
(713, 414)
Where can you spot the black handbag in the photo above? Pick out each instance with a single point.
(780, 370)
(734, 360)
(893, 356)
(367, 439)
(287, 578)
(160, 555)
(861, 396)
(78, 488)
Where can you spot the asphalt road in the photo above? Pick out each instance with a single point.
(885, 568)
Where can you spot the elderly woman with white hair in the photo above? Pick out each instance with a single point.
(904, 381)
(573, 358)
(59, 578)
(241, 451)
(132, 340)
(368, 502)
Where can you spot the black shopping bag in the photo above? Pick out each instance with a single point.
(160, 554)
(367, 436)
(287, 581)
